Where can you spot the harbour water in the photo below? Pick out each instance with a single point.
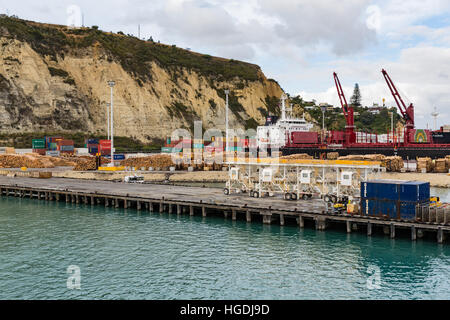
(123, 254)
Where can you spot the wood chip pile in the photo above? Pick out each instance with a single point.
(156, 161)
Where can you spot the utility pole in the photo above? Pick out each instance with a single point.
(227, 92)
(139, 31)
(111, 85)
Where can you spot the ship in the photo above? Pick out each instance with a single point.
(274, 133)
(408, 143)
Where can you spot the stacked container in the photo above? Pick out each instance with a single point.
(92, 145)
(38, 146)
(175, 145)
(66, 146)
(51, 143)
(104, 147)
(393, 199)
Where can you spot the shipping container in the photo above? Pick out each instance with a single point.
(91, 141)
(65, 143)
(396, 190)
(66, 148)
(305, 137)
(393, 199)
(38, 143)
(391, 209)
(105, 143)
(40, 151)
(52, 153)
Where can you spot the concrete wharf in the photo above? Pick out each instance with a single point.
(211, 201)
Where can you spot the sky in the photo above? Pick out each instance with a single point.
(299, 43)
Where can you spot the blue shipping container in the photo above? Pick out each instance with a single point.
(396, 190)
(92, 141)
(405, 210)
(66, 148)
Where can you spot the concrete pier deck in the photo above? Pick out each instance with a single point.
(204, 201)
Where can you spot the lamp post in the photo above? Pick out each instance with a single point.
(323, 108)
(111, 84)
(392, 124)
(107, 118)
(227, 92)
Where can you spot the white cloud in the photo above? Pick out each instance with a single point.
(422, 75)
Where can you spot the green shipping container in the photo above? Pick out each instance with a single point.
(38, 143)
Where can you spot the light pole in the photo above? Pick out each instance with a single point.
(323, 108)
(227, 92)
(392, 124)
(107, 118)
(111, 84)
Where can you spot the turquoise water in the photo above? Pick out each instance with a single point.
(125, 255)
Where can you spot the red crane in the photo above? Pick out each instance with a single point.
(407, 112)
(350, 135)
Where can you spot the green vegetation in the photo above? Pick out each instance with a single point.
(251, 123)
(54, 72)
(272, 104)
(181, 111)
(132, 53)
(212, 104)
(23, 140)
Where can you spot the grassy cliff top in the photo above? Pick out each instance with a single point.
(131, 52)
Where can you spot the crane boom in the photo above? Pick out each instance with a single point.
(348, 112)
(407, 112)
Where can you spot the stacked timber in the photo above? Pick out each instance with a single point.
(332, 155)
(162, 161)
(440, 166)
(447, 162)
(299, 156)
(392, 164)
(363, 157)
(424, 163)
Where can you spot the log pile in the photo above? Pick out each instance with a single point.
(332, 155)
(440, 166)
(364, 157)
(392, 164)
(299, 156)
(424, 163)
(447, 162)
(162, 161)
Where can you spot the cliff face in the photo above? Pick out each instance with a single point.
(53, 78)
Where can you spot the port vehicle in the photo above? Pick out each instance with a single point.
(134, 179)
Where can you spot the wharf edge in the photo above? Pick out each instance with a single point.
(204, 201)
